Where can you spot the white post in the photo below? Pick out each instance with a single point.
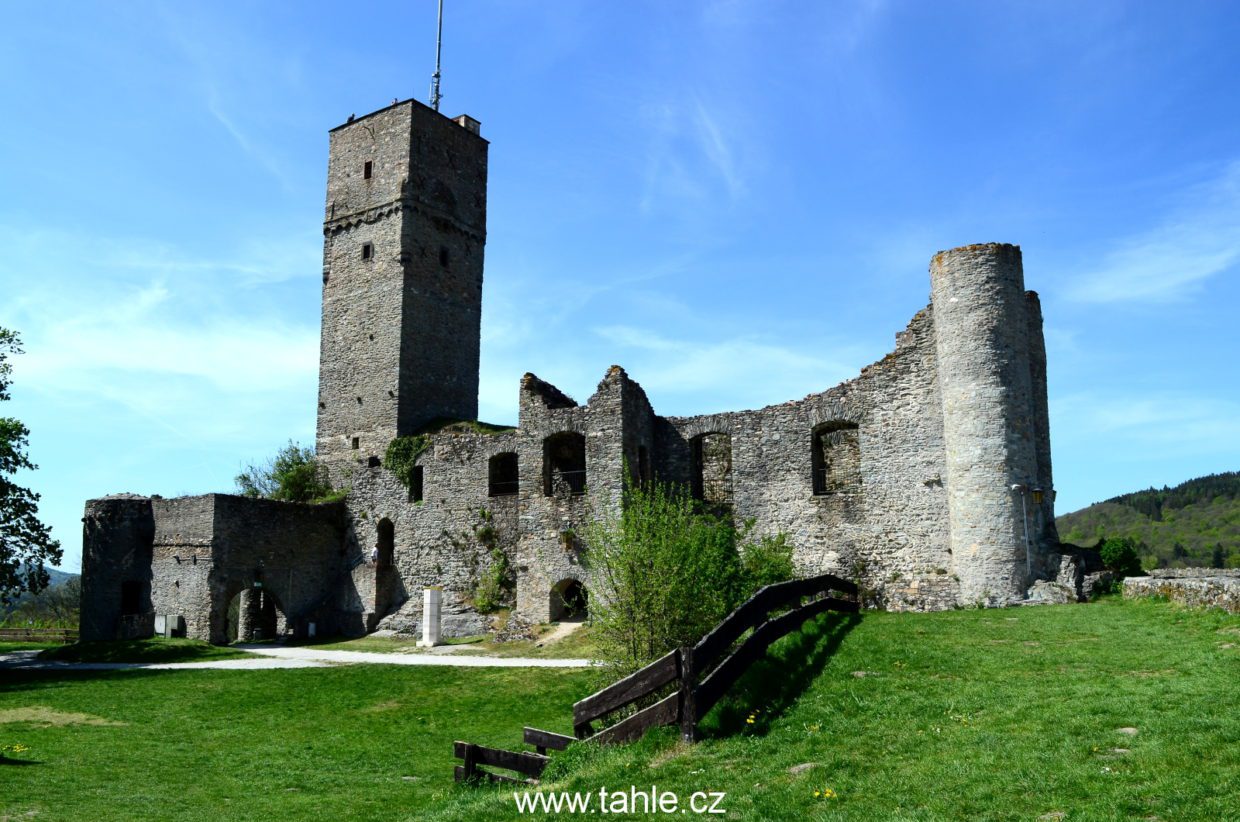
(432, 600)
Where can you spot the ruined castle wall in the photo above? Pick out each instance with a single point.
(183, 561)
(888, 530)
(117, 532)
(440, 539)
(208, 548)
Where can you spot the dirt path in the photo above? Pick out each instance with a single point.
(267, 658)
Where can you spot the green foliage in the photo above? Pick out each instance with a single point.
(1119, 555)
(669, 571)
(1201, 516)
(56, 606)
(402, 455)
(26, 545)
(292, 475)
(767, 561)
(497, 583)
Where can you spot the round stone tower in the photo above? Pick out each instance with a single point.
(981, 325)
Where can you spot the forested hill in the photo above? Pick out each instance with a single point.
(1196, 523)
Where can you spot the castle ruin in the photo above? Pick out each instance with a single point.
(927, 478)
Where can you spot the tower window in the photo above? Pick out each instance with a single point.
(366, 170)
(443, 256)
(415, 487)
(368, 251)
(357, 443)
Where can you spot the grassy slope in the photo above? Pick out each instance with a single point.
(968, 715)
(971, 714)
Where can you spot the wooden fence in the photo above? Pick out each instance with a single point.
(702, 675)
(63, 635)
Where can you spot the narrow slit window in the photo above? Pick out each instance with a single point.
(367, 170)
(357, 443)
(443, 256)
(415, 487)
(368, 251)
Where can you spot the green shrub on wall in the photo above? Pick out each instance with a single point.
(402, 455)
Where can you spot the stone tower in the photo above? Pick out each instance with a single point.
(988, 337)
(404, 233)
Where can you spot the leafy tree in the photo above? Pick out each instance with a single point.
(26, 545)
(669, 571)
(1218, 559)
(1119, 555)
(292, 475)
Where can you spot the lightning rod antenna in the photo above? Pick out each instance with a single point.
(435, 95)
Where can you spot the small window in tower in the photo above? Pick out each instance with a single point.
(368, 250)
(366, 170)
(415, 486)
(357, 443)
(443, 256)
(373, 462)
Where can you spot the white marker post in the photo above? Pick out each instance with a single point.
(432, 602)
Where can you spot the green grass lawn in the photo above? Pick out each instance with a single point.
(157, 649)
(1001, 714)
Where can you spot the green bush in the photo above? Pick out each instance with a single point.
(1119, 555)
(402, 455)
(765, 562)
(292, 475)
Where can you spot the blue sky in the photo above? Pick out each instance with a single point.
(737, 201)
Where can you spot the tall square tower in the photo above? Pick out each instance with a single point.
(403, 240)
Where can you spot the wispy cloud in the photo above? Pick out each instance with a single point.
(1196, 241)
(692, 156)
(1134, 425)
(703, 375)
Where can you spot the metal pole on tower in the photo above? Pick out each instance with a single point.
(435, 95)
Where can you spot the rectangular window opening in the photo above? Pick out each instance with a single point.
(368, 251)
(415, 486)
(366, 170)
(357, 443)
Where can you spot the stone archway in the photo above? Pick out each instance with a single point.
(570, 601)
(255, 613)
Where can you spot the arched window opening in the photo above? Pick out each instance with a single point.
(836, 458)
(564, 464)
(711, 477)
(502, 475)
(570, 601)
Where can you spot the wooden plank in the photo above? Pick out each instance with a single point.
(749, 613)
(459, 774)
(731, 669)
(688, 702)
(546, 739)
(664, 712)
(531, 764)
(628, 690)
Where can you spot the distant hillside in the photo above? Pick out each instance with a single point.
(1196, 523)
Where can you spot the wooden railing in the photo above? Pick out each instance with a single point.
(703, 674)
(63, 635)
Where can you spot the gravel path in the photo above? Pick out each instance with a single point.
(267, 658)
